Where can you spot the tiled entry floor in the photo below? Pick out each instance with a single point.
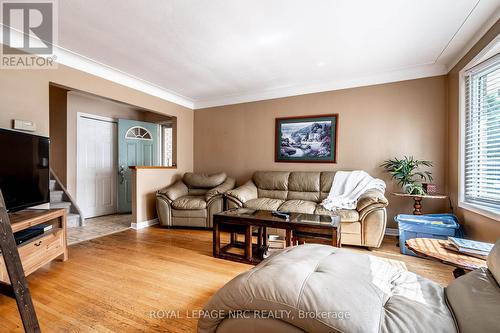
(98, 227)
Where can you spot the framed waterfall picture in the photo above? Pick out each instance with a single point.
(307, 139)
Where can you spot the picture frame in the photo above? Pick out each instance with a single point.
(307, 139)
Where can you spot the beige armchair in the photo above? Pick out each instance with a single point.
(193, 200)
(302, 192)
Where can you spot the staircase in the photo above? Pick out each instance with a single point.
(59, 198)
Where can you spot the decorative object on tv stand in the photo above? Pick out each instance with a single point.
(307, 139)
(407, 173)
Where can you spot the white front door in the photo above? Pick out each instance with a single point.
(96, 165)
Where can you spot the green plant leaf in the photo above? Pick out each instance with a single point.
(406, 171)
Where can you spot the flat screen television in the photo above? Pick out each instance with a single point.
(24, 169)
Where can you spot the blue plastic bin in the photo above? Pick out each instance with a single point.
(438, 226)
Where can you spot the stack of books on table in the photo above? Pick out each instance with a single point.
(275, 242)
(473, 248)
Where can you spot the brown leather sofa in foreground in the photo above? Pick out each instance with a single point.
(193, 200)
(319, 288)
(302, 192)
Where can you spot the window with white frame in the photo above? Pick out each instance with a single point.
(166, 145)
(481, 137)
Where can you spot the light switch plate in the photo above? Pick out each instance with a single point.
(24, 125)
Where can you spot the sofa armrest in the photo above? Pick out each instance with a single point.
(242, 194)
(371, 197)
(164, 210)
(174, 191)
(373, 223)
(227, 185)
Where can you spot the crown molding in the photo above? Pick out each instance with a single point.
(404, 74)
(473, 41)
(85, 64)
(91, 66)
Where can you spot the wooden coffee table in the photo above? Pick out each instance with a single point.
(436, 249)
(299, 228)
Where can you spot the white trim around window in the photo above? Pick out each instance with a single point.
(477, 66)
(480, 210)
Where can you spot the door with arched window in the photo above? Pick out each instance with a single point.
(137, 146)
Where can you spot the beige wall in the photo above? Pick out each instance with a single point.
(58, 129)
(375, 123)
(476, 226)
(25, 95)
(145, 184)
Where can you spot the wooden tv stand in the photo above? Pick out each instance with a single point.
(42, 249)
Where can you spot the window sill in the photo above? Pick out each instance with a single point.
(481, 210)
(151, 167)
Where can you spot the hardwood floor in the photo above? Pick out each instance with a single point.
(129, 281)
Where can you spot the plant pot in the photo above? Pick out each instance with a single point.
(407, 188)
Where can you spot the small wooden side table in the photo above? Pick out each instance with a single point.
(436, 249)
(417, 206)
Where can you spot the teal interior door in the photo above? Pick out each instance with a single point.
(137, 146)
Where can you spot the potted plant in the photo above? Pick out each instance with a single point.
(406, 172)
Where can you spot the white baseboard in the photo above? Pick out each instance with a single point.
(391, 232)
(144, 224)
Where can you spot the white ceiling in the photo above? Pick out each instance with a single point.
(203, 53)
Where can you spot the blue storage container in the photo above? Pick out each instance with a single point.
(438, 226)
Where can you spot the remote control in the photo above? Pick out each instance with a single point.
(283, 215)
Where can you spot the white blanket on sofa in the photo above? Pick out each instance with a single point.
(348, 186)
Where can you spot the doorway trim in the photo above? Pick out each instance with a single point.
(96, 117)
(79, 117)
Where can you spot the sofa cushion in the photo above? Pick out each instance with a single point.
(303, 186)
(227, 185)
(298, 206)
(494, 261)
(346, 215)
(199, 180)
(174, 191)
(271, 180)
(263, 204)
(245, 192)
(326, 181)
(303, 181)
(308, 196)
(200, 213)
(197, 191)
(190, 202)
(273, 194)
(474, 299)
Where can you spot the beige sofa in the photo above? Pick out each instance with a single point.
(302, 192)
(319, 288)
(192, 201)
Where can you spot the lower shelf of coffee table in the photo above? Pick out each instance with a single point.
(226, 254)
